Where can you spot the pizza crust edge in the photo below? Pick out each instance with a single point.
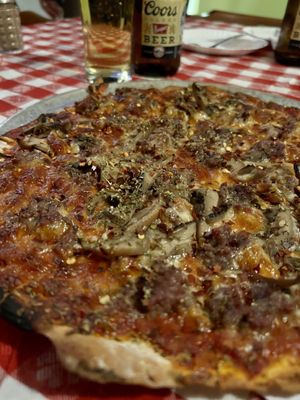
(282, 374)
(106, 360)
(126, 361)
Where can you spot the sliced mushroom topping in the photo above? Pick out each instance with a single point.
(273, 132)
(132, 242)
(246, 173)
(284, 234)
(179, 212)
(243, 171)
(287, 226)
(204, 200)
(6, 146)
(221, 217)
(277, 184)
(294, 260)
(30, 142)
(202, 228)
(147, 182)
(46, 123)
(290, 271)
(181, 241)
(184, 233)
(144, 218)
(128, 245)
(211, 200)
(286, 222)
(40, 127)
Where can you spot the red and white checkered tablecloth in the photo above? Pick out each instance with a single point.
(52, 63)
(258, 70)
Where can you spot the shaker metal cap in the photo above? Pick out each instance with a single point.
(7, 1)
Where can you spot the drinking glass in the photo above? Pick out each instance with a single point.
(107, 28)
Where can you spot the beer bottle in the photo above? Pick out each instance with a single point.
(288, 47)
(157, 35)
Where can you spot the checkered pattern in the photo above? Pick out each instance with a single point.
(112, 44)
(257, 71)
(30, 370)
(51, 63)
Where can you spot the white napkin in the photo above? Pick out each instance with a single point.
(269, 33)
(221, 42)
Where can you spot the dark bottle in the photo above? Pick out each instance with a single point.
(157, 35)
(288, 47)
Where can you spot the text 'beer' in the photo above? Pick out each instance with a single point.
(157, 36)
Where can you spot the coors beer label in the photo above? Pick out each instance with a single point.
(162, 27)
(295, 34)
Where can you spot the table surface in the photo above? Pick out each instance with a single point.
(52, 63)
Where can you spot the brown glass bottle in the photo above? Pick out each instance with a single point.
(157, 34)
(288, 47)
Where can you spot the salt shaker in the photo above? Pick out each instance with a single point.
(10, 26)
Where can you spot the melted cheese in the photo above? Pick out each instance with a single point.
(254, 259)
(248, 219)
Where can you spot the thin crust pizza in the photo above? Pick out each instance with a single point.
(153, 236)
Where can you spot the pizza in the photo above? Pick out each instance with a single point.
(152, 234)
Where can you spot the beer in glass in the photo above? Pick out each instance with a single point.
(107, 29)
